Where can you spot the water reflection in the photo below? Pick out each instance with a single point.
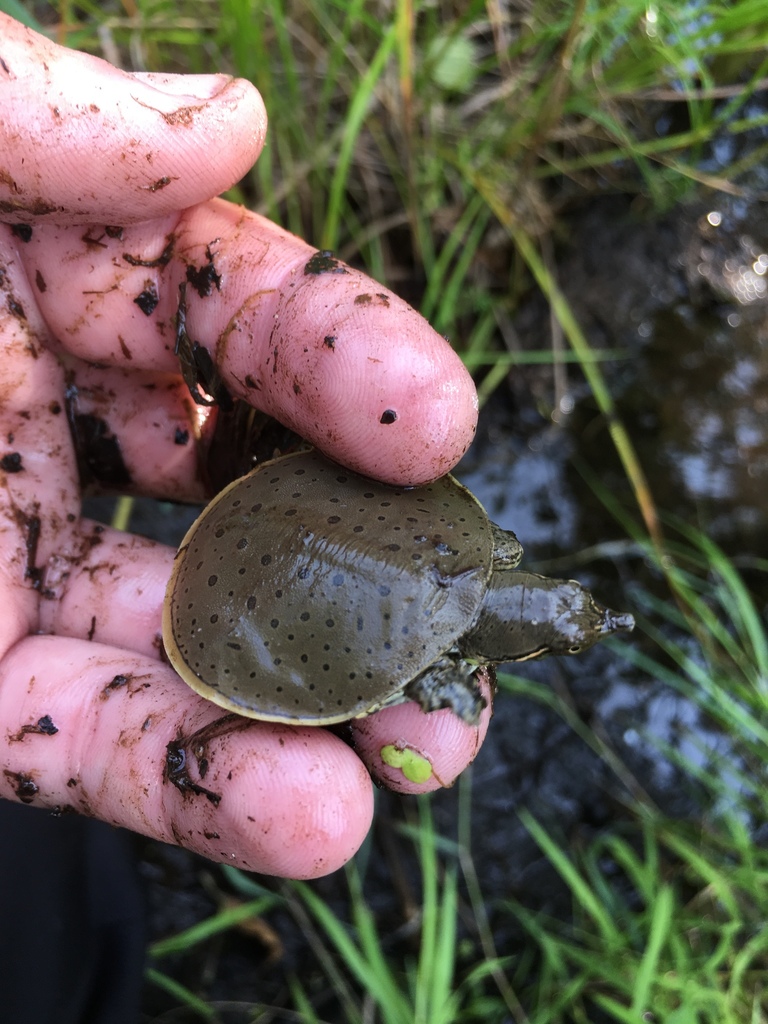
(688, 298)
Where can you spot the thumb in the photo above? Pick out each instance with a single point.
(83, 141)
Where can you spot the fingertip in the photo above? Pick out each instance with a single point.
(296, 803)
(365, 378)
(409, 751)
(344, 362)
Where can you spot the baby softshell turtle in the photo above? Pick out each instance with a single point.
(308, 594)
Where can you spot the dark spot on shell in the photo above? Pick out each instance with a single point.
(388, 416)
(242, 544)
(213, 580)
(40, 282)
(250, 604)
(332, 520)
(364, 299)
(329, 341)
(181, 436)
(22, 231)
(266, 559)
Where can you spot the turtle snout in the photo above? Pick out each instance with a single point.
(617, 622)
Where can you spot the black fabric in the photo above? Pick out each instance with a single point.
(72, 928)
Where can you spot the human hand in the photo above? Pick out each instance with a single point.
(105, 195)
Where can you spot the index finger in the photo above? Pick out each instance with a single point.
(334, 355)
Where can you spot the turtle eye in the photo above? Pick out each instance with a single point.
(574, 648)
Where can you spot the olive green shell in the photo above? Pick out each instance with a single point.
(307, 594)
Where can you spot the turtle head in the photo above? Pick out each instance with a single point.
(524, 616)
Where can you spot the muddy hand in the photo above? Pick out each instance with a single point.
(106, 201)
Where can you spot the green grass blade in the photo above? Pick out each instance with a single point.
(222, 921)
(187, 998)
(662, 909)
(356, 114)
(567, 870)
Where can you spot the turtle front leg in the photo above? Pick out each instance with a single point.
(449, 682)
